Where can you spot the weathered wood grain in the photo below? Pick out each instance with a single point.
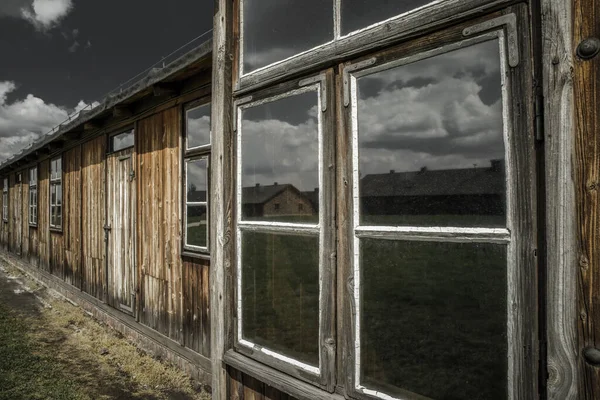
(25, 215)
(72, 216)
(44, 214)
(586, 165)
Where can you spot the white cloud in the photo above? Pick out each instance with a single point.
(24, 121)
(45, 14)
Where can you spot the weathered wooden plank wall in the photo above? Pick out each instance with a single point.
(93, 216)
(245, 387)
(14, 213)
(72, 216)
(25, 215)
(196, 307)
(44, 215)
(3, 225)
(159, 222)
(57, 254)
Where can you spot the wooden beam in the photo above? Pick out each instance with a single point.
(122, 112)
(561, 239)
(165, 89)
(586, 163)
(91, 126)
(221, 197)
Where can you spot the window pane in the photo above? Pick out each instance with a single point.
(431, 147)
(357, 14)
(280, 294)
(122, 140)
(280, 151)
(197, 180)
(52, 194)
(197, 227)
(434, 310)
(198, 126)
(277, 29)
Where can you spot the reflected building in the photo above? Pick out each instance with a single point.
(275, 200)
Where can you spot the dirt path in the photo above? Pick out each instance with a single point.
(50, 349)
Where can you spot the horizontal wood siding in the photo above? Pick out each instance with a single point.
(93, 216)
(72, 216)
(196, 308)
(43, 215)
(159, 222)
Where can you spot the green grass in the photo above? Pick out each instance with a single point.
(26, 371)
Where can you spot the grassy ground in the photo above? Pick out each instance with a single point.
(50, 349)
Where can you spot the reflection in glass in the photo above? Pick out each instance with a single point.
(197, 228)
(197, 180)
(122, 140)
(280, 294)
(433, 318)
(357, 14)
(280, 149)
(431, 147)
(198, 126)
(274, 30)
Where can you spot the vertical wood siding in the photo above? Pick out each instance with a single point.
(3, 225)
(25, 215)
(43, 215)
(159, 222)
(72, 216)
(14, 213)
(93, 216)
(245, 387)
(196, 307)
(57, 254)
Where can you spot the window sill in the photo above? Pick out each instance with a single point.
(278, 380)
(191, 254)
(33, 226)
(56, 230)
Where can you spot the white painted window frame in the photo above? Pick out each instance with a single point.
(189, 155)
(280, 361)
(187, 246)
(33, 196)
(55, 182)
(111, 137)
(432, 233)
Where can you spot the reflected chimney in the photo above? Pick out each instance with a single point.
(316, 190)
(258, 185)
(423, 169)
(392, 171)
(275, 184)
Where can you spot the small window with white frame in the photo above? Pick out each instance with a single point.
(33, 196)
(5, 200)
(56, 193)
(122, 140)
(196, 177)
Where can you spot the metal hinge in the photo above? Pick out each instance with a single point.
(539, 117)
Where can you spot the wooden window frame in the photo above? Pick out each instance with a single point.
(520, 233)
(190, 155)
(58, 183)
(33, 194)
(110, 147)
(5, 200)
(323, 375)
(421, 20)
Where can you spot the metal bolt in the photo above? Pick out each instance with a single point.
(592, 356)
(588, 48)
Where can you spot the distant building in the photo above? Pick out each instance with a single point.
(275, 200)
(449, 191)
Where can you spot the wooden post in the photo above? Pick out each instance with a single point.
(572, 126)
(221, 195)
(586, 86)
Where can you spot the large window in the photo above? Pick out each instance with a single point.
(283, 289)
(5, 200)
(33, 196)
(197, 162)
(429, 288)
(56, 193)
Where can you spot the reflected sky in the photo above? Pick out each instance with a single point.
(198, 126)
(278, 29)
(280, 142)
(443, 112)
(122, 140)
(197, 182)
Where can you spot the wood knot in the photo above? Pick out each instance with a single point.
(584, 263)
(555, 60)
(593, 186)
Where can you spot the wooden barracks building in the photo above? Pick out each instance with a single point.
(340, 199)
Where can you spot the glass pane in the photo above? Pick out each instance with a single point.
(280, 151)
(280, 294)
(122, 140)
(198, 126)
(431, 146)
(197, 180)
(277, 29)
(434, 310)
(59, 194)
(357, 14)
(197, 227)
(52, 194)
